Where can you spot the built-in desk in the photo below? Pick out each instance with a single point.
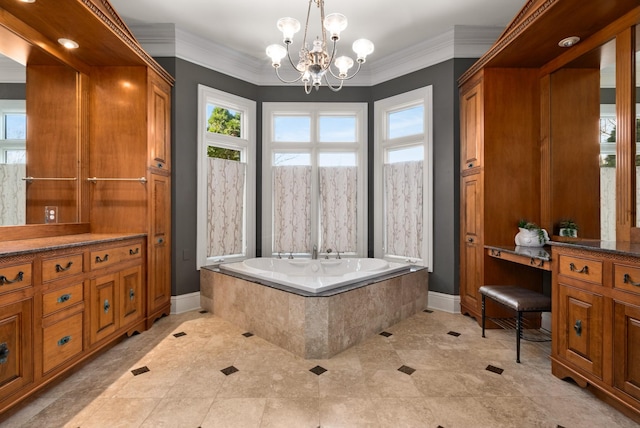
(537, 257)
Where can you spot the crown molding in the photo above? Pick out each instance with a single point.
(167, 40)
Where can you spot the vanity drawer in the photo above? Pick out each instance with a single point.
(61, 341)
(584, 269)
(61, 267)
(626, 278)
(62, 298)
(15, 277)
(109, 256)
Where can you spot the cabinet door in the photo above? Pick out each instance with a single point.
(580, 319)
(130, 295)
(626, 349)
(159, 125)
(103, 306)
(16, 352)
(472, 129)
(472, 247)
(159, 285)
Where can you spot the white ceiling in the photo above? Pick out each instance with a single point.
(249, 26)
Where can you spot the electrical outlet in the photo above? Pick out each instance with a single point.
(51, 214)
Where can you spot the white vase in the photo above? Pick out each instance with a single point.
(531, 238)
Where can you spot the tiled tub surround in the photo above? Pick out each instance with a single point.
(314, 326)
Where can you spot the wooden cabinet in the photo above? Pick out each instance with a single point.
(159, 124)
(16, 347)
(596, 322)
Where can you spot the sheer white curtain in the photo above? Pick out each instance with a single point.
(13, 194)
(403, 208)
(339, 197)
(292, 209)
(225, 206)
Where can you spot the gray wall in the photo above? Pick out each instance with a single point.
(443, 77)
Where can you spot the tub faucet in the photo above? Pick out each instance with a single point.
(314, 253)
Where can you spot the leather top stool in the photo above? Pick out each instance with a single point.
(517, 298)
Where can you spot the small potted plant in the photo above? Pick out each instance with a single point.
(568, 228)
(531, 235)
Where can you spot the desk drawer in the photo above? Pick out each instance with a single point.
(59, 299)
(15, 277)
(584, 269)
(61, 341)
(61, 267)
(626, 278)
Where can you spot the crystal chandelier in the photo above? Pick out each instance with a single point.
(316, 63)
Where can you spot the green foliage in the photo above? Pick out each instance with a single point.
(222, 121)
(568, 224)
(528, 225)
(222, 153)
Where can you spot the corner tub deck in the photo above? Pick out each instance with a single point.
(314, 326)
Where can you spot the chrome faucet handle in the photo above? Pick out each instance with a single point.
(290, 255)
(279, 256)
(328, 252)
(338, 257)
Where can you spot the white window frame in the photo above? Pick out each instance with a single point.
(10, 107)
(382, 108)
(315, 110)
(245, 143)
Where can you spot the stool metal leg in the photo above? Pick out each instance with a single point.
(483, 296)
(518, 334)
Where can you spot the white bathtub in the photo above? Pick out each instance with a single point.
(314, 276)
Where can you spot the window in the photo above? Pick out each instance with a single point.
(13, 132)
(403, 178)
(226, 177)
(314, 190)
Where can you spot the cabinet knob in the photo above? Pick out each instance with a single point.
(4, 352)
(578, 327)
(469, 239)
(132, 294)
(64, 340)
(64, 298)
(470, 165)
(4, 280)
(59, 268)
(106, 306)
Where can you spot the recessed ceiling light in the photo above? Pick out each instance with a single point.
(28, 1)
(68, 43)
(568, 42)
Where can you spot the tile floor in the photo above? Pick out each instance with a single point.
(205, 372)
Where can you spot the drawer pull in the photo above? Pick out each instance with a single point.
(134, 252)
(4, 352)
(19, 278)
(106, 306)
(578, 327)
(63, 341)
(627, 280)
(573, 268)
(64, 298)
(132, 294)
(59, 268)
(496, 253)
(101, 260)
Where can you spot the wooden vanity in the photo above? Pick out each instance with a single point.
(548, 133)
(98, 149)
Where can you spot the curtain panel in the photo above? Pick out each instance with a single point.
(292, 209)
(403, 183)
(225, 206)
(338, 199)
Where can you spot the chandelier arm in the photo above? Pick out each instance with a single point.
(333, 88)
(286, 81)
(306, 25)
(307, 87)
(295, 67)
(346, 77)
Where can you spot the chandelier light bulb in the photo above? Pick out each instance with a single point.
(289, 27)
(344, 63)
(335, 23)
(362, 48)
(276, 53)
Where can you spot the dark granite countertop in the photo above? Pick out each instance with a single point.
(614, 247)
(26, 246)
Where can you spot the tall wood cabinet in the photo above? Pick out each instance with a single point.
(99, 150)
(530, 149)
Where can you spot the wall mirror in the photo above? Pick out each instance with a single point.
(583, 143)
(39, 137)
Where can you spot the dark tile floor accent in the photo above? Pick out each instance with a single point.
(453, 333)
(494, 369)
(140, 370)
(247, 334)
(407, 370)
(229, 370)
(203, 311)
(429, 311)
(182, 333)
(386, 334)
(318, 370)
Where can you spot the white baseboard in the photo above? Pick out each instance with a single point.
(444, 302)
(185, 303)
